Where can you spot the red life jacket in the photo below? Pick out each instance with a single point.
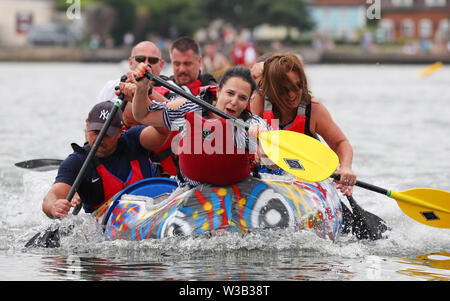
(299, 124)
(194, 88)
(164, 155)
(216, 161)
(112, 184)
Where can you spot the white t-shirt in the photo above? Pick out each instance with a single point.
(108, 91)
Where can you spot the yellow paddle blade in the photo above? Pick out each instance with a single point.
(425, 205)
(430, 69)
(299, 155)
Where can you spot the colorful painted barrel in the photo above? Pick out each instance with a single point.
(153, 208)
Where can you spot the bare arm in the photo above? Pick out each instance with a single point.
(153, 138)
(257, 100)
(141, 101)
(257, 104)
(55, 204)
(323, 124)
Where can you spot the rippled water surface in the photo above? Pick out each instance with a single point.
(398, 124)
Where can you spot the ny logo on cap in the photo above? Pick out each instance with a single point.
(104, 114)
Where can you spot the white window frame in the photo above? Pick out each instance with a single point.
(425, 28)
(407, 27)
(436, 3)
(388, 29)
(402, 3)
(444, 29)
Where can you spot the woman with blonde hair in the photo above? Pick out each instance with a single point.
(285, 101)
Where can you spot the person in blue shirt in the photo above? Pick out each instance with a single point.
(121, 160)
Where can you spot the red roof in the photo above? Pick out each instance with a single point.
(337, 3)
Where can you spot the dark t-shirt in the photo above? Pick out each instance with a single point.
(91, 187)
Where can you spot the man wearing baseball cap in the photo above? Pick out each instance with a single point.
(121, 160)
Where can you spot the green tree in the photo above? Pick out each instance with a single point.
(125, 18)
(165, 17)
(251, 13)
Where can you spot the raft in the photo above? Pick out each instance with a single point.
(154, 208)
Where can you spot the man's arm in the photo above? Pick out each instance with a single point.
(55, 204)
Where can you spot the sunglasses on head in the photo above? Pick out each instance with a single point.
(142, 58)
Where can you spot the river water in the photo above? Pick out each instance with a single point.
(398, 124)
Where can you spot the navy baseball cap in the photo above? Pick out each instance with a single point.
(98, 116)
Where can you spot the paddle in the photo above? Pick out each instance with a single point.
(40, 164)
(430, 69)
(362, 223)
(50, 238)
(428, 206)
(298, 154)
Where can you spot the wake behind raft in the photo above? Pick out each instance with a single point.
(153, 208)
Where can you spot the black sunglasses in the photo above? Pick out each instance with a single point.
(151, 59)
(285, 90)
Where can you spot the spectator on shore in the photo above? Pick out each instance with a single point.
(214, 62)
(243, 53)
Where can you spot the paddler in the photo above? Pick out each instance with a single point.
(211, 149)
(143, 52)
(186, 59)
(121, 160)
(285, 101)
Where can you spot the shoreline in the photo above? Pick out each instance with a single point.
(310, 56)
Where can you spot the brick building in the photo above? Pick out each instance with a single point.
(415, 20)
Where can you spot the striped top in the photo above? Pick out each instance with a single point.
(174, 120)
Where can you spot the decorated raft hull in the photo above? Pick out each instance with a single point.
(153, 208)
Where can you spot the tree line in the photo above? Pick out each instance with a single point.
(163, 17)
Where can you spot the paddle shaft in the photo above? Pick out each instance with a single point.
(366, 185)
(400, 196)
(118, 104)
(92, 152)
(194, 99)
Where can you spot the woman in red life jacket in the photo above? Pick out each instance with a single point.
(285, 101)
(211, 149)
